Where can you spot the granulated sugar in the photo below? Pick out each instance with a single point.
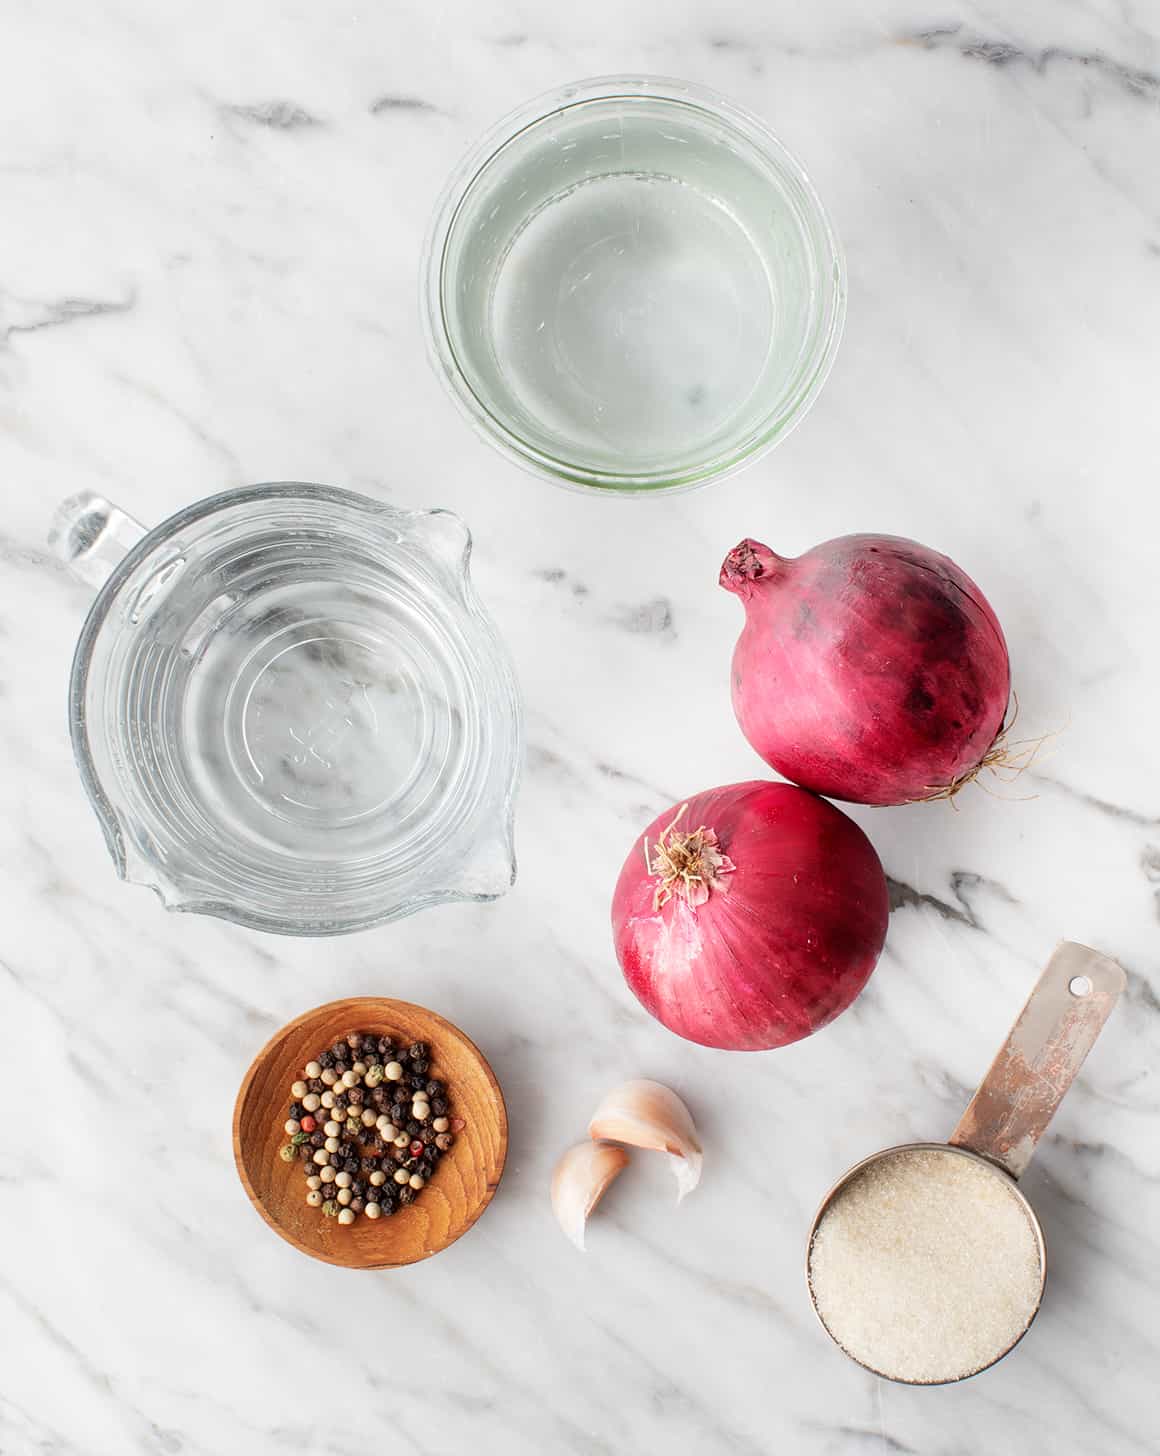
(925, 1266)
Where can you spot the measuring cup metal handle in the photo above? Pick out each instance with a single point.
(91, 535)
(1041, 1057)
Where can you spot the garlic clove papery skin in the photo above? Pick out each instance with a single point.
(579, 1182)
(649, 1115)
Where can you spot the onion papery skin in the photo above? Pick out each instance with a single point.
(870, 669)
(782, 944)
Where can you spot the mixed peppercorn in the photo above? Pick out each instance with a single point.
(369, 1123)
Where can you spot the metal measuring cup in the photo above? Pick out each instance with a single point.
(1016, 1100)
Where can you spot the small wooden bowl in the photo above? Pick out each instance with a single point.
(464, 1180)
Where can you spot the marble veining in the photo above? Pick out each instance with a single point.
(213, 218)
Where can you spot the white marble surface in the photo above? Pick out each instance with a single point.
(212, 220)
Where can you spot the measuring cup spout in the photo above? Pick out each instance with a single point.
(91, 535)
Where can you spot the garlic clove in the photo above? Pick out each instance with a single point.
(649, 1115)
(579, 1181)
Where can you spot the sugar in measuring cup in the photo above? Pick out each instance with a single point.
(926, 1263)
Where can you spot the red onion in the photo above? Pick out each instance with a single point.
(869, 669)
(750, 916)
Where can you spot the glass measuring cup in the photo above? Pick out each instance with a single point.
(971, 1182)
(630, 284)
(289, 708)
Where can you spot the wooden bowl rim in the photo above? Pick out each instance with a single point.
(326, 1008)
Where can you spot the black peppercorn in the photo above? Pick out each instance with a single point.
(412, 1128)
(354, 1040)
(406, 1194)
(305, 1153)
(350, 1165)
(427, 1135)
(439, 1107)
(341, 1065)
(416, 1050)
(379, 1097)
(355, 1096)
(434, 1088)
(367, 1165)
(398, 1113)
(325, 1059)
(317, 1085)
(317, 1139)
(416, 1083)
(371, 1057)
(387, 1165)
(296, 1111)
(387, 1208)
(340, 1101)
(358, 1189)
(386, 1047)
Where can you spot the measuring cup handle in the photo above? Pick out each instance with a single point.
(1041, 1057)
(91, 535)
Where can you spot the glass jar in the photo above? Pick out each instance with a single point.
(631, 285)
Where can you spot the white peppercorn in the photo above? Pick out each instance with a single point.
(401, 1176)
(441, 1124)
(345, 1216)
(332, 1145)
(378, 1178)
(343, 1179)
(312, 1070)
(393, 1071)
(372, 1210)
(321, 1157)
(331, 1128)
(311, 1101)
(314, 1198)
(292, 1125)
(314, 1181)
(298, 1090)
(329, 1076)
(327, 1099)
(327, 1174)
(416, 1180)
(368, 1117)
(349, 1079)
(359, 1069)
(344, 1195)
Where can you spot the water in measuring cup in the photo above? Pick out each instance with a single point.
(314, 709)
